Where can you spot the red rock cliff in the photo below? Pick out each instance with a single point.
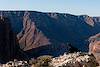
(30, 37)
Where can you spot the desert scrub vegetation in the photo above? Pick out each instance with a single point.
(42, 61)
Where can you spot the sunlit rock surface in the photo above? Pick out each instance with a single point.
(94, 46)
(15, 63)
(30, 37)
(74, 60)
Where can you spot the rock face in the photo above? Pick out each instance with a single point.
(94, 46)
(6, 38)
(30, 37)
(49, 33)
(89, 20)
(9, 48)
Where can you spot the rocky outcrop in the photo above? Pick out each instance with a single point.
(30, 37)
(15, 63)
(89, 20)
(94, 46)
(74, 60)
(78, 59)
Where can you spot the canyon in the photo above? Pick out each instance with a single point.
(34, 33)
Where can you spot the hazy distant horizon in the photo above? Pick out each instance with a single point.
(75, 7)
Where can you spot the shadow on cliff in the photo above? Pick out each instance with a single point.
(9, 47)
(53, 50)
